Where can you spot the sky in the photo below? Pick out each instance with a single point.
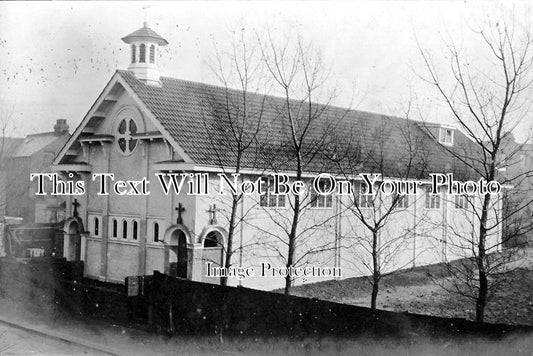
(58, 56)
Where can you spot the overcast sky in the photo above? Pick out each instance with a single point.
(58, 56)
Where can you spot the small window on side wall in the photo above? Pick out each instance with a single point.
(124, 229)
(156, 232)
(269, 199)
(135, 229)
(461, 201)
(322, 200)
(402, 201)
(432, 200)
(96, 226)
(115, 228)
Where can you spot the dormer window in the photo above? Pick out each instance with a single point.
(133, 54)
(446, 136)
(142, 53)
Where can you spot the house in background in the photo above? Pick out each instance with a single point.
(33, 154)
(516, 159)
(8, 145)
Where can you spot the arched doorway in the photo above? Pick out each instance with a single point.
(178, 254)
(212, 239)
(72, 240)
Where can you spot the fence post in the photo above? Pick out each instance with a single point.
(150, 299)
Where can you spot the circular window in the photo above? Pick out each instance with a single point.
(126, 128)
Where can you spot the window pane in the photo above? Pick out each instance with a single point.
(211, 240)
(133, 127)
(135, 230)
(142, 53)
(133, 54)
(272, 200)
(96, 226)
(281, 201)
(122, 127)
(314, 200)
(152, 54)
(156, 232)
(131, 144)
(115, 228)
(321, 201)
(329, 201)
(122, 144)
(124, 229)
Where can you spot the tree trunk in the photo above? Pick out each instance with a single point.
(375, 289)
(231, 232)
(294, 227)
(481, 300)
(375, 271)
(292, 242)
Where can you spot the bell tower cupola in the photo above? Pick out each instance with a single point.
(145, 44)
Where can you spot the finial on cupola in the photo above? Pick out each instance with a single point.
(145, 43)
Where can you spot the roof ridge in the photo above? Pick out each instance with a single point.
(44, 134)
(214, 86)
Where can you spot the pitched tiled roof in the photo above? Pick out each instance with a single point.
(36, 142)
(143, 33)
(9, 145)
(195, 115)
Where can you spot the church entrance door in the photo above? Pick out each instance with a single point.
(73, 245)
(179, 260)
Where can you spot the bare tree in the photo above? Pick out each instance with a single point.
(488, 99)
(233, 118)
(299, 132)
(379, 239)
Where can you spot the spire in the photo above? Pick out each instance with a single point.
(145, 43)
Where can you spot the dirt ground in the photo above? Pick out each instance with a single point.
(419, 290)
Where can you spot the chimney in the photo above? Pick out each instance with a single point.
(61, 127)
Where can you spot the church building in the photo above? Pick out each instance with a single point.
(144, 124)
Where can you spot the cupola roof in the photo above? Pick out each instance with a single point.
(143, 34)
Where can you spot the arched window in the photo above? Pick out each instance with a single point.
(133, 53)
(124, 229)
(142, 53)
(152, 54)
(156, 232)
(115, 228)
(211, 240)
(96, 226)
(134, 230)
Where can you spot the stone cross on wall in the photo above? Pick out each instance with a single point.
(75, 204)
(180, 209)
(212, 212)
